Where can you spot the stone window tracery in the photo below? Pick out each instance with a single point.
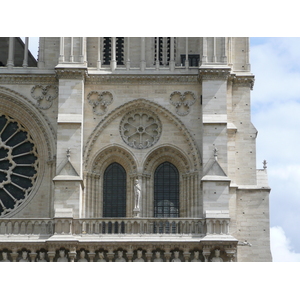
(18, 164)
(140, 129)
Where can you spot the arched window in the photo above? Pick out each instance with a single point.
(166, 191)
(114, 191)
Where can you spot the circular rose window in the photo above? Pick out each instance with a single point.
(18, 164)
(140, 129)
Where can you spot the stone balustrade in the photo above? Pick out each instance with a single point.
(105, 226)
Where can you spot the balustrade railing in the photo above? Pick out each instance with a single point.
(112, 226)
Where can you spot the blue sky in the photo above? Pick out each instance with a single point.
(276, 114)
(275, 98)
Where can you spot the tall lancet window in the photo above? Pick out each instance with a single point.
(107, 50)
(114, 191)
(162, 50)
(166, 191)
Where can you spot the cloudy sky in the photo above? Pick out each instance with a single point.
(276, 115)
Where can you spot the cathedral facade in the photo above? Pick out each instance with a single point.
(130, 149)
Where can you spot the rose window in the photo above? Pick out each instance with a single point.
(18, 164)
(140, 129)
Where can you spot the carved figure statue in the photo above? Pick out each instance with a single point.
(139, 256)
(176, 257)
(217, 257)
(137, 194)
(62, 256)
(41, 257)
(120, 257)
(24, 257)
(157, 257)
(82, 257)
(101, 257)
(196, 257)
(4, 256)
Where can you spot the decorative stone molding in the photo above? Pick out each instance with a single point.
(142, 79)
(28, 79)
(182, 102)
(100, 101)
(242, 80)
(72, 73)
(213, 73)
(153, 107)
(172, 154)
(44, 95)
(140, 129)
(113, 153)
(114, 252)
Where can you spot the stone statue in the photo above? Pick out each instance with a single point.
(120, 257)
(217, 257)
(139, 256)
(62, 256)
(41, 257)
(176, 257)
(24, 257)
(137, 194)
(4, 256)
(196, 257)
(157, 257)
(101, 257)
(82, 257)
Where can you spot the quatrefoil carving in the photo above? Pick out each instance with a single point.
(44, 95)
(182, 102)
(100, 101)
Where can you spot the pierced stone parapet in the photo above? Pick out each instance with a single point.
(182, 102)
(100, 101)
(44, 95)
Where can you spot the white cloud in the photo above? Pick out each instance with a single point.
(275, 113)
(281, 248)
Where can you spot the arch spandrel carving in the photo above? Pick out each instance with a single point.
(139, 104)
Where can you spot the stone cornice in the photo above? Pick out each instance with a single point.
(142, 79)
(214, 73)
(68, 73)
(243, 80)
(27, 79)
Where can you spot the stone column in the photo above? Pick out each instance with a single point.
(128, 54)
(204, 51)
(25, 61)
(72, 50)
(143, 54)
(11, 50)
(99, 54)
(157, 54)
(172, 58)
(186, 52)
(61, 50)
(113, 62)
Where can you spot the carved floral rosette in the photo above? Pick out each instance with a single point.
(182, 102)
(140, 129)
(44, 95)
(100, 101)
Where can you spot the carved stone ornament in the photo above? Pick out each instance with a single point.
(100, 101)
(140, 129)
(18, 164)
(182, 102)
(44, 95)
